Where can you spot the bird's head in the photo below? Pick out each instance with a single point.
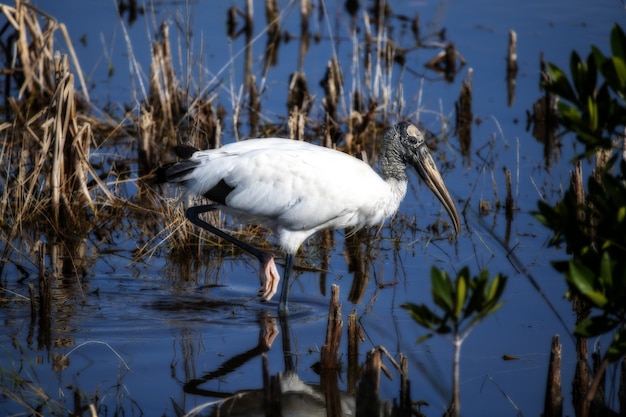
(405, 142)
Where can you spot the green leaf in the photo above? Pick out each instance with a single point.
(424, 338)
(621, 214)
(477, 299)
(614, 71)
(578, 72)
(569, 114)
(618, 42)
(582, 279)
(592, 113)
(485, 312)
(606, 272)
(461, 294)
(617, 348)
(424, 316)
(441, 289)
(595, 326)
(559, 84)
(496, 289)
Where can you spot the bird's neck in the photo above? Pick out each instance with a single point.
(394, 173)
(397, 191)
(392, 163)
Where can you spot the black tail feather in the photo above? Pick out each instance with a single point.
(161, 174)
(184, 151)
(174, 171)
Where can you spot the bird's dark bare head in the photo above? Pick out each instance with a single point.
(404, 145)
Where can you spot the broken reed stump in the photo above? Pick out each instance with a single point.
(367, 402)
(509, 206)
(330, 349)
(553, 404)
(353, 352)
(329, 354)
(406, 405)
(511, 67)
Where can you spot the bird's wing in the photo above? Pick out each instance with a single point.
(285, 184)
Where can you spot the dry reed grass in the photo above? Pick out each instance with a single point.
(47, 138)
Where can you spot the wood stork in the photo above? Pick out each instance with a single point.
(296, 188)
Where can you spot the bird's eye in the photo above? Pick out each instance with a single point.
(413, 140)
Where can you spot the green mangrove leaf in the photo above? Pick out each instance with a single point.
(486, 312)
(569, 114)
(441, 289)
(496, 289)
(592, 113)
(578, 72)
(424, 316)
(614, 70)
(618, 42)
(617, 348)
(606, 272)
(424, 338)
(582, 278)
(595, 326)
(477, 299)
(559, 84)
(461, 295)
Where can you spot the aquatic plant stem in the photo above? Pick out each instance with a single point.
(456, 394)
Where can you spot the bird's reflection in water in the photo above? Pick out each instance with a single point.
(285, 394)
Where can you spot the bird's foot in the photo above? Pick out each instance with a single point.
(269, 277)
(269, 332)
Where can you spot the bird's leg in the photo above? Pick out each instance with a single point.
(284, 292)
(268, 274)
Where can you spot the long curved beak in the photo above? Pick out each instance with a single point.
(425, 166)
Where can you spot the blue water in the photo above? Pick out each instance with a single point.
(168, 330)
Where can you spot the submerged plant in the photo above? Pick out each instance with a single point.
(463, 304)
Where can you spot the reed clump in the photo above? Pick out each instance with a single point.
(47, 136)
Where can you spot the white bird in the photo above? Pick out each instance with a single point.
(296, 188)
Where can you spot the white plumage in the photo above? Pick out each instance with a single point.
(296, 188)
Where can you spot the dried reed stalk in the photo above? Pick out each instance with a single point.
(330, 349)
(511, 67)
(164, 101)
(553, 404)
(49, 150)
(464, 117)
(68, 172)
(353, 351)
(165, 115)
(332, 83)
(34, 49)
